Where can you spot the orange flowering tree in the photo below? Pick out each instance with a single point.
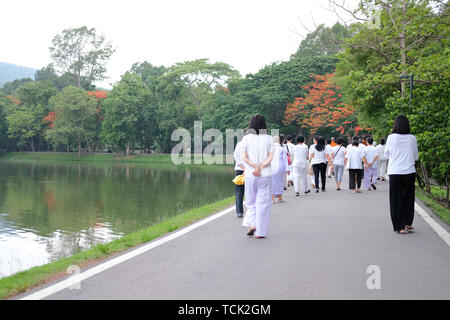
(322, 107)
(50, 119)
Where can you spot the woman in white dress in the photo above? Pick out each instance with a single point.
(279, 169)
(257, 153)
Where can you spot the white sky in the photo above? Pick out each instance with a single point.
(247, 34)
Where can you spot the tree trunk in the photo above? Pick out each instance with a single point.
(78, 79)
(446, 186)
(403, 52)
(127, 151)
(425, 177)
(79, 148)
(32, 144)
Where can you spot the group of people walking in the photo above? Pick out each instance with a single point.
(272, 164)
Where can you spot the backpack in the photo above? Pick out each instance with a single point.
(289, 159)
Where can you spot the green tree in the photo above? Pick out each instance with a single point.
(34, 97)
(323, 41)
(49, 73)
(10, 87)
(268, 92)
(83, 52)
(3, 125)
(375, 68)
(74, 110)
(148, 72)
(124, 109)
(22, 125)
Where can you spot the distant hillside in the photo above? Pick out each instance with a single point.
(10, 72)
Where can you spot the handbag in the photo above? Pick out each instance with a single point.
(310, 169)
(289, 159)
(239, 180)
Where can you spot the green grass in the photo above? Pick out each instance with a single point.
(434, 205)
(56, 156)
(20, 282)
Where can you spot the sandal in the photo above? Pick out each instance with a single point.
(409, 228)
(251, 231)
(259, 237)
(402, 231)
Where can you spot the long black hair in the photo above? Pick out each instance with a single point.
(401, 125)
(257, 123)
(320, 146)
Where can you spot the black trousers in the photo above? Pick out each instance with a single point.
(239, 195)
(355, 177)
(322, 169)
(401, 199)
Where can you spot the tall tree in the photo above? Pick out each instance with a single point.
(82, 52)
(34, 97)
(22, 125)
(123, 109)
(323, 107)
(148, 72)
(74, 109)
(323, 41)
(376, 69)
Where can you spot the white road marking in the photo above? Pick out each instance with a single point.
(41, 294)
(436, 226)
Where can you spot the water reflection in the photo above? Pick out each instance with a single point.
(52, 210)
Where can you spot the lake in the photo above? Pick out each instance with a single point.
(51, 210)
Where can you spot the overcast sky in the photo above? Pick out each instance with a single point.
(247, 34)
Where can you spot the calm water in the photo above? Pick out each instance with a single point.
(51, 210)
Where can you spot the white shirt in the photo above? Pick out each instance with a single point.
(361, 146)
(401, 150)
(354, 157)
(338, 153)
(380, 150)
(300, 156)
(238, 156)
(370, 152)
(328, 149)
(258, 147)
(319, 156)
(279, 161)
(291, 147)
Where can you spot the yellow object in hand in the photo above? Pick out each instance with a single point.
(239, 180)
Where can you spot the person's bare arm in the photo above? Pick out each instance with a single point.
(247, 160)
(266, 162)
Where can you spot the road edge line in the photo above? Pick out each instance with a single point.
(75, 279)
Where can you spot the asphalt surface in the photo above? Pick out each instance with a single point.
(319, 246)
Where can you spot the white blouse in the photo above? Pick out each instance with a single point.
(258, 147)
(401, 150)
(354, 156)
(300, 156)
(319, 156)
(338, 152)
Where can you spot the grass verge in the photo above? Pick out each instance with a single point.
(25, 280)
(62, 156)
(434, 205)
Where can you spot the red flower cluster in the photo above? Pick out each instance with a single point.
(322, 107)
(50, 118)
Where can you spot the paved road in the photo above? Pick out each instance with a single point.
(319, 247)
